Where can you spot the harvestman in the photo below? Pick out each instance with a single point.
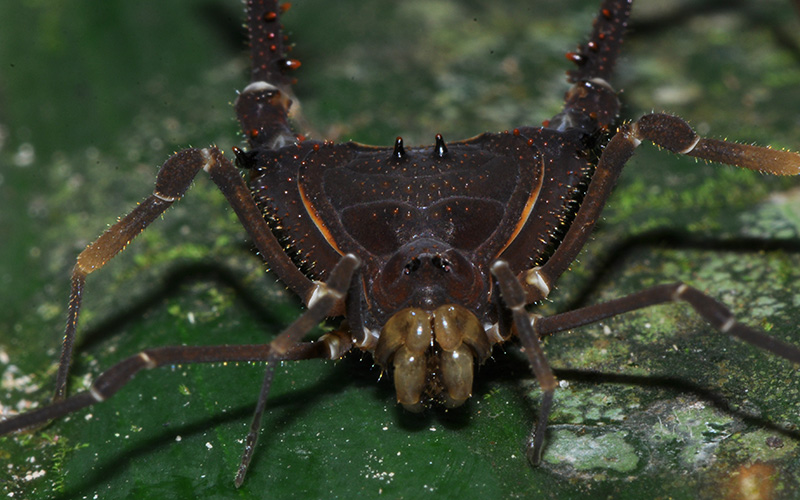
(432, 254)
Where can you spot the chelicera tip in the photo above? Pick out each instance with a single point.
(431, 254)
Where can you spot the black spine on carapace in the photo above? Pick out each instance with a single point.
(440, 149)
(399, 152)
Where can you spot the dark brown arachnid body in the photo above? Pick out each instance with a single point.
(432, 254)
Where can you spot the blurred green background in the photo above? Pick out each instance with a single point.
(94, 96)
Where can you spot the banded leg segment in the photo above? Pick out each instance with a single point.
(328, 296)
(666, 131)
(711, 310)
(174, 178)
(172, 182)
(286, 346)
(674, 134)
(513, 297)
(116, 377)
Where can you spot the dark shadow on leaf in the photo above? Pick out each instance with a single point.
(282, 412)
(356, 372)
(614, 257)
(675, 386)
(170, 284)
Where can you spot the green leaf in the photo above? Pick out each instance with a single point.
(95, 96)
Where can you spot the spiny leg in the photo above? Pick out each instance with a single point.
(286, 346)
(669, 132)
(263, 110)
(263, 106)
(173, 179)
(327, 296)
(597, 57)
(674, 134)
(714, 312)
(591, 104)
(330, 346)
(513, 296)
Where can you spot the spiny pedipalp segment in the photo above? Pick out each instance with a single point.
(592, 103)
(263, 111)
(263, 106)
(589, 105)
(596, 58)
(269, 47)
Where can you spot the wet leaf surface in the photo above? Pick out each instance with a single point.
(653, 405)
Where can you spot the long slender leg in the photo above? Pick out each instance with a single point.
(530, 328)
(173, 180)
(263, 109)
(673, 134)
(284, 347)
(115, 378)
(669, 132)
(715, 313)
(514, 298)
(328, 295)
